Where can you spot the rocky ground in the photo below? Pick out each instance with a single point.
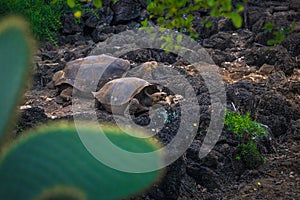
(260, 79)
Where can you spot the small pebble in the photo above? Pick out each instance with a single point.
(25, 107)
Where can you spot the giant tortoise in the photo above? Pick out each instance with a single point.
(129, 95)
(87, 75)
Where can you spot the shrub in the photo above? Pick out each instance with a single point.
(44, 17)
(246, 130)
(178, 14)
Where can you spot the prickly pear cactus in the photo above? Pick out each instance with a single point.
(52, 161)
(15, 49)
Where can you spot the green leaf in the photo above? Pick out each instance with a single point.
(160, 19)
(236, 18)
(144, 23)
(15, 56)
(226, 5)
(211, 3)
(239, 8)
(208, 24)
(269, 26)
(71, 3)
(54, 1)
(55, 157)
(179, 38)
(98, 3)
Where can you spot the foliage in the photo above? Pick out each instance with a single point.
(45, 18)
(77, 6)
(178, 14)
(279, 34)
(245, 129)
(51, 162)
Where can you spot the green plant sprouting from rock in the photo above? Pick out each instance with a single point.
(51, 162)
(278, 33)
(246, 130)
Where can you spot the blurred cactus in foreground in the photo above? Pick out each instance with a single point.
(15, 51)
(54, 157)
(51, 162)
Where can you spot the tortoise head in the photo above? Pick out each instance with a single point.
(56, 77)
(155, 94)
(158, 96)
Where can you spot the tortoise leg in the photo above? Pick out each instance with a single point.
(134, 107)
(66, 94)
(154, 98)
(59, 100)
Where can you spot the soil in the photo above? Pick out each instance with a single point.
(264, 81)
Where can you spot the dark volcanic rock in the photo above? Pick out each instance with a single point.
(219, 56)
(292, 44)
(267, 106)
(204, 176)
(30, 118)
(126, 10)
(70, 26)
(221, 41)
(101, 16)
(144, 55)
(277, 56)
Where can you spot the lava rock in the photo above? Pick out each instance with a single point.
(292, 44)
(221, 41)
(126, 10)
(70, 26)
(277, 56)
(30, 118)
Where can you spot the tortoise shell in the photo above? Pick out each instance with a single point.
(90, 73)
(143, 70)
(116, 94)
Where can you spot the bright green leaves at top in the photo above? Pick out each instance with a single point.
(225, 8)
(211, 3)
(71, 3)
(74, 3)
(178, 14)
(98, 3)
(236, 18)
(78, 9)
(15, 54)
